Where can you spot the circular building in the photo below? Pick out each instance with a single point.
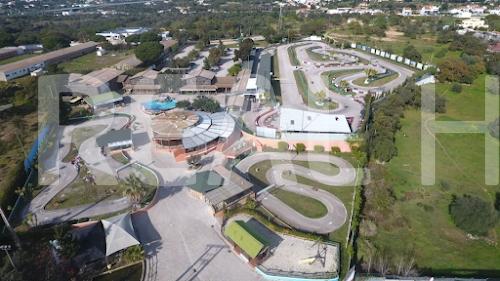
(188, 132)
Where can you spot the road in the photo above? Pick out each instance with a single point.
(347, 105)
(66, 173)
(336, 212)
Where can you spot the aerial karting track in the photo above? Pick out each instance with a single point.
(336, 212)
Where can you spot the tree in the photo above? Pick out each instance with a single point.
(149, 52)
(370, 72)
(98, 38)
(204, 103)
(243, 53)
(134, 38)
(183, 104)
(134, 189)
(149, 37)
(343, 84)
(454, 70)
(206, 64)
(214, 55)
(320, 96)
(55, 40)
(457, 88)
(299, 148)
(194, 160)
(412, 53)
(472, 214)
(6, 39)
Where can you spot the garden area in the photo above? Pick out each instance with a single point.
(374, 82)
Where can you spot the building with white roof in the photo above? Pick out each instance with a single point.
(117, 36)
(301, 121)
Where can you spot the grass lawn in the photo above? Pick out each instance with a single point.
(375, 83)
(329, 76)
(292, 55)
(420, 220)
(307, 96)
(91, 62)
(129, 273)
(306, 206)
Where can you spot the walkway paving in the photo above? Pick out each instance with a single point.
(336, 212)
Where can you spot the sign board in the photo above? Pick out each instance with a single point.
(394, 57)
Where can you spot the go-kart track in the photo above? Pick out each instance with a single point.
(347, 105)
(336, 212)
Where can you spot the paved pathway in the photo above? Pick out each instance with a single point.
(67, 173)
(336, 212)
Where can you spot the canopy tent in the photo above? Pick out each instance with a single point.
(120, 233)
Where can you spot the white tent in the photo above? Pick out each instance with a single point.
(120, 233)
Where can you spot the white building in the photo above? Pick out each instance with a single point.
(406, 12)
(117, 36)
(300, 121)
(426, 79)
(473, 23)
(429, 10)
(495, 11)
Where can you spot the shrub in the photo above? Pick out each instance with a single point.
(473, 214)
(457, 88)
(299, 147)
(183, 104)
(335, 150)
(319, 148)
(282, 146)
(497, 201)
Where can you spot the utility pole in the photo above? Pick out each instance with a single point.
(9, 227)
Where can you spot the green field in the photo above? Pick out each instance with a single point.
(306, 206)
(91, 62)
(307, 96)
(292, 55)
(420, 220)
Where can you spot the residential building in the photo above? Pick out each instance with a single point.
(473, 23)
(429, 10)
(406, 12)
(96, 82)
(26, 66)
(205, 81)
(145, 82)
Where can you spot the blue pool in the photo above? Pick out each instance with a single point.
(159, 105)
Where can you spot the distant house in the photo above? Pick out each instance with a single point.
(429, 10)
(168, 45)
(115, 139)
(117, 36)
(247, 242)
(426, 79)
(204, 81)
(145, 82)
(406, 12)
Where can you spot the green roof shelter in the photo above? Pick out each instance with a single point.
(247, 240)
(103, 99)
(205, 181)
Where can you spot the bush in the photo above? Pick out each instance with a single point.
(457, 88)
(299, 147)
(282, 146)
(235, 69)
(183, 104)
(206, 104)
(335, 149)
(473, 214)
(319, 148)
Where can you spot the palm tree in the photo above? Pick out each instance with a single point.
(134, 189)
(370, 72)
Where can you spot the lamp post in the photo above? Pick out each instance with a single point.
(9, 227)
